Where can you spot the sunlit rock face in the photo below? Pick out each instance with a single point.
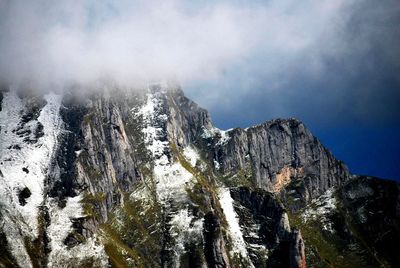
(141, 178)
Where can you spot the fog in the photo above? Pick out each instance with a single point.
(342, 55)
(51, 43)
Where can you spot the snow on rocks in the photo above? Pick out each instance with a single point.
(222, 135)
(191, 155)
(61, 226)
(184, 228)
(152, 120)
(235, 232)
(171, 178)
(320, 208)
(209, 133)
(24, 165)
(172, 181)
(217, 165)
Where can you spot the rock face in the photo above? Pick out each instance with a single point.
(355, 225)
(373, 209)
(128, 178)
(267, 231)
(279, 152)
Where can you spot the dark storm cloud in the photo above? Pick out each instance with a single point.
(350, 73)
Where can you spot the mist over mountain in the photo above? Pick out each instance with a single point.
(284, 58)
(51, 43)
(106, 162)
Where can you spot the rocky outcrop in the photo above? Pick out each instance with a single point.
(278, 153)
(186, 120)
(214, 246)
(272, 155)
(354, 225)
(372, 210)
(106, 162)
(297, 250)
(267, 231)
(103, 148)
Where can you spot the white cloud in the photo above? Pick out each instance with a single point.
(50, 42)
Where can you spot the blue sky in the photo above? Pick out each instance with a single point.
(334, 64)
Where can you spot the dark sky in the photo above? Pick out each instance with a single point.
(352, 105)
(368, 146)
(334, 64)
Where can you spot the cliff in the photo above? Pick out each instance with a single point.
(141, 178)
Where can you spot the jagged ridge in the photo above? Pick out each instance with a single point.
(143, 179)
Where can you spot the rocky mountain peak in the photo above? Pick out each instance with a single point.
(141, 178)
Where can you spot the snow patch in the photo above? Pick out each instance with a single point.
(61, 226)
(184, 228)
(320, 208)
(171, 178)
(208, 133)
(79, 152)
(172, 181)
(152, 131)
(25, 167)
(217, 165)
(222, 135)
(235, 232)
(191, 155)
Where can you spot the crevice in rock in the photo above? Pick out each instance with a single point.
(1, 101)
(62, 183)
(24, 194)
(39, 248)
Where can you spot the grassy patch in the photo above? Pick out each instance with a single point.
(37, 249)
(91, 204)
(323, 248)
(206, 184)
(6, 258)
(133, 236)
(243, 178)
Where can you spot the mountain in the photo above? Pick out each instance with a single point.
(141, 178)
